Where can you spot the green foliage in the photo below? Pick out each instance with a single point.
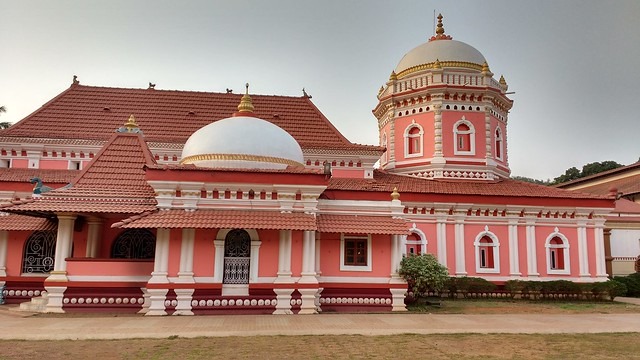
(469, 285)
(423, 273)
(587, 170)
(531, 180)
(513, 287)
(632, 282)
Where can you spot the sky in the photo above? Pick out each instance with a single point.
(574, 65)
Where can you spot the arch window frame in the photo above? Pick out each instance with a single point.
(384, 141)
(499, 144)
(413, 142)
(557, 254)
(422, 241)
(487, 254)
(463, 137)
(254, 256)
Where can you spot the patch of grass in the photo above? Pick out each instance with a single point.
(509, 306)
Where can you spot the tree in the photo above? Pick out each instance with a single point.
(423, 273)
(4, 124)
(572, 173)
(587, 170)
(531, 180)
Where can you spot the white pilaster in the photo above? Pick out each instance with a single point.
(283, 305)
(159, 274)
(94, 237)
(583, 254)
(255, 257)
(183, 296)
(308, 257)
(459, 239)
(317, 253)
(598, 233)
(64, 242)
(185, 274)
(4, 238)
(514, 257)
(218, 265)
(532, 266)
(441, 239)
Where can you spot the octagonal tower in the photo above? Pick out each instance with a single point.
(442, 115)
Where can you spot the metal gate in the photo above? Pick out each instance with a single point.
(237, 257)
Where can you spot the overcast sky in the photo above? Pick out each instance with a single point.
(574, 65)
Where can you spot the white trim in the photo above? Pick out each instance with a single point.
(407, 138)
(422, 242)
(385, 142)
(495, 247)
(472, 137)
(565, 246)
(344, 267)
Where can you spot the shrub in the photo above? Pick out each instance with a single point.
(613, 288)
(423, 273)
(632, 282)
(469, 285)
(514, 286)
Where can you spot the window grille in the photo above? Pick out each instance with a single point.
(237, 257)
(134, 244)
(39, 252)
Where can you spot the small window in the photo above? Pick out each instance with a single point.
(413, 140)
(75, 165)
(498, 144)
(487, 248)
(557, 246)
(5, 163)
(464, 137)
(355, 253)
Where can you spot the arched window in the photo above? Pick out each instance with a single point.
(237, 257)
(464, 137)
(415, 242)
(487, 252)
(134, 244)
(557, 246)
(384, 143)
(498, 144)
(39, 252)
(413, 137)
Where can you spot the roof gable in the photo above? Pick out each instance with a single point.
(167, 116)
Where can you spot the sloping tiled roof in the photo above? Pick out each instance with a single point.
(46, 175)
(626, 186)
(113, 182)
(627, 207)
(14, 222)
(91, 113)
(385, 182)
(218, 219)
(361, 224)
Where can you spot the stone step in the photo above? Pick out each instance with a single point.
(37, 304)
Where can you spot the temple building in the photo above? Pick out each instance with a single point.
(206, 203)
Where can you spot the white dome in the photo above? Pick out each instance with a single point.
(242, 142)
(442, 50)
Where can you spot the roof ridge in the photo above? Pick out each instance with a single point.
(183, 91)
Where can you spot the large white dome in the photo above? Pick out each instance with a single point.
(442, 50)
(242, 142)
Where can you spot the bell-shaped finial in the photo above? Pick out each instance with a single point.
(131, 126)
(440, 35)
(246, 105)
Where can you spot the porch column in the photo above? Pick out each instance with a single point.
(583, 253)
(514, 257)
(284, 257)
(607, 252)
(441, 239)
(4, 239)
(185, 273)
(532, 266)
(255, 257)
(397, 285)
(55, 284)
(459, 238)
(94, 237)
(157, 296)
(601, 255)
(308, 274)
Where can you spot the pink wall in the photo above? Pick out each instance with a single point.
(423, 119)
(54, 164)
(451, 248)
(522, 249)
(591, 249)
(109, 267)
(449, 118)
(296, 253)
(204, 252)
(20, 163)
(15, 248)
(268, 264)
(175, 249)
(356, 173)
(330, 256)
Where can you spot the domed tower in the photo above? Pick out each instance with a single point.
(442, 115)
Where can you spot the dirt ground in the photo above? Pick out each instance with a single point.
(467, 306)
(467, 346)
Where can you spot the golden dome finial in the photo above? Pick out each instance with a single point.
(437, 65)
(381, 90)
(486, 70)
(440, 35)
(131, 124)
(395, 195)
(246, 105)
(393, 76)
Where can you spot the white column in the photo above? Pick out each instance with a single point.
(4, 239)
(532, 266)
(308, 257)
(441, 239)
(55, 284)
(254, 260)
(460, 258)
(284, 257)
(397, 292)
(583, 253)
(218, 265)
(394, 255)
(159, 274)
(317, 253)
(94, 237)
(185, 274)
(598, 233)
(514, 257)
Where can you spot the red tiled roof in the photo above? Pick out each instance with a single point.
(91, 113)
(14, 222)
(113, 182)
(385, 182)
(626, 186)
(361, 224)
(219, 219)
(627, 207)
(47, 176)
